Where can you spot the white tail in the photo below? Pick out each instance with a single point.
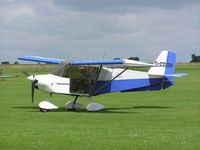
(164, 64)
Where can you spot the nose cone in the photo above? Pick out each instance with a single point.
(31, 77)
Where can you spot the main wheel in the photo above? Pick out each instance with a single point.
(69, 105)
(43, 110)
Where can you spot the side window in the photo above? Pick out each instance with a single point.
(82, 79)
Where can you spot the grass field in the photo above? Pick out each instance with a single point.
(159, 120)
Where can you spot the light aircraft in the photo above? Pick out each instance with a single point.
(94, 77)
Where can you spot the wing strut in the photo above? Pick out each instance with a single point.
(104, 85)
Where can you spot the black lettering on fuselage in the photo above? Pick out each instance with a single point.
(163, 64)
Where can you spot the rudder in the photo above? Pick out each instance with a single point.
(164, 66)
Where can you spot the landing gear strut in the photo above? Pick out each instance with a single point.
(74, 102)
(73, 105)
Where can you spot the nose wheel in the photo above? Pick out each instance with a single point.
(45, 106)
(43, 110)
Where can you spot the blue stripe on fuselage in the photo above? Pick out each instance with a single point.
(129, 85)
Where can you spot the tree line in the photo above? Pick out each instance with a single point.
(195, 58)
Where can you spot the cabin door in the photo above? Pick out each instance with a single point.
(82, 79)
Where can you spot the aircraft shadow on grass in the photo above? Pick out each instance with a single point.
(126, 109)
(115, 110)
(26, 107)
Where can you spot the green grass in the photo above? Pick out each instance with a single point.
(167, 119)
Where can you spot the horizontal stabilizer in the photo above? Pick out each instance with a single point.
(176, 75)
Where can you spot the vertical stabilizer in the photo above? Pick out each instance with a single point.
(164, 66)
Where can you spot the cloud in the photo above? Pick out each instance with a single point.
(91, 29)
(11, 13)
(120, 6)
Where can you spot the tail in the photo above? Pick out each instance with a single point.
(164, 64)
(164, 67)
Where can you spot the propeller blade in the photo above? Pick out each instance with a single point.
(33, 89)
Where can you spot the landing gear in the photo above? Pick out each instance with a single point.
(46, 106)
(43, 110)
(73, 105)
(93, 107)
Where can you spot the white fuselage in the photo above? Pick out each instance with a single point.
(52, 84)
(55, 84)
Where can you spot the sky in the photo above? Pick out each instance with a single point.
(99, 29)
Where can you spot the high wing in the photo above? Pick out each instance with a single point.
(108, 63)
(112, 63)
(41, 59)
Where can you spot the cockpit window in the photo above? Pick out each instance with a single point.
(82, 79)
(62, 70)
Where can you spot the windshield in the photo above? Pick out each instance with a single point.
(62, 70)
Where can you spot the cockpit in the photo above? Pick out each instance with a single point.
(82, 78)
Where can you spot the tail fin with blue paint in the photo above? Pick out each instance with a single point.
(164, 67)
(164, 64)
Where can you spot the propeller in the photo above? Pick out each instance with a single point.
(33, 86)
(34, 80)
